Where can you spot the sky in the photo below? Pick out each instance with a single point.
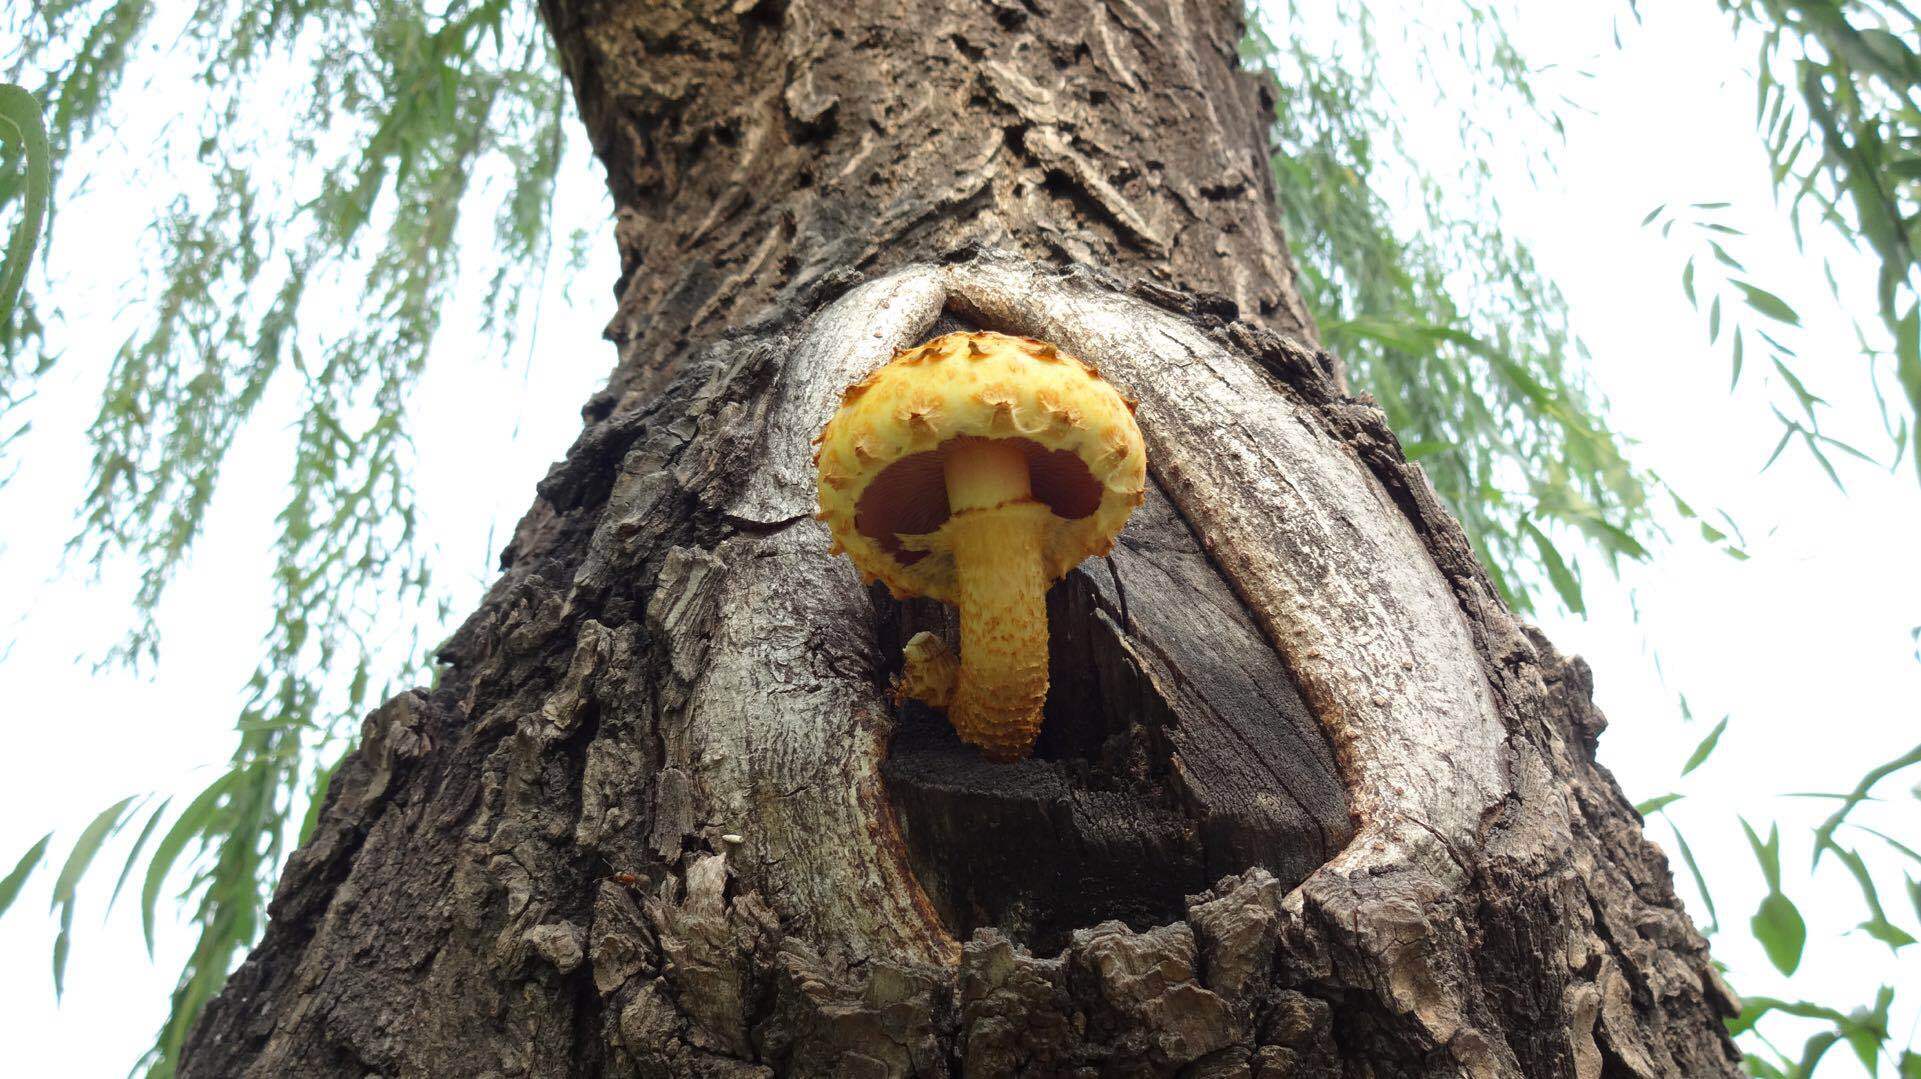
(1806, 646)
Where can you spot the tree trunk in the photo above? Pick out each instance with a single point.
(1308, 801)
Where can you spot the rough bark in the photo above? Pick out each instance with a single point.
(1308, 801)
(757, 148)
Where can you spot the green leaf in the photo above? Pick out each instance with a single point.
(66, 884)
(1768, 304)
(1779, 446)
(1779, 346)
(1782, 933)
(1410, 337)
(1887, 53)
(85, 848)
(1768, 854)
(133, 853)
(1563, 579)
(21, 125)
(1895, 937)
(1907, 368)
(1706, 747)
(1867, 1029)
(192, 820)
(23, 869)
(1700, 881)
(1657, 804)
(1802, 394)
(1813, 1050)
(1753, 1008)
(1824, 835)
(1821, 459)
(62, 945)
(1877, 925)
(1902, 848)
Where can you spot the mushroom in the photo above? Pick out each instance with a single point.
(977, 469)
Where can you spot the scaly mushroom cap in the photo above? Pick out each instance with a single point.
(881, 457)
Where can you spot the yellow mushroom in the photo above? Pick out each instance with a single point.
(977, 469)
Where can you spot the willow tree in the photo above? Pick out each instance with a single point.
(1308, 798)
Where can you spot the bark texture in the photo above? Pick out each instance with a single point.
(1307, 801)
(757, 148)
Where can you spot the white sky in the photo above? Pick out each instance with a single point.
(1807, 645)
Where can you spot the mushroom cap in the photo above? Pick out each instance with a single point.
(881, 457)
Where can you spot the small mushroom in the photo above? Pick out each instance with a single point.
(977, 469)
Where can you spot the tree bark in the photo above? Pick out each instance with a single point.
(1308, 800)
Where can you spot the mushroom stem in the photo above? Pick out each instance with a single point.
(994, 531)
(1002, 596)
(983, 473)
